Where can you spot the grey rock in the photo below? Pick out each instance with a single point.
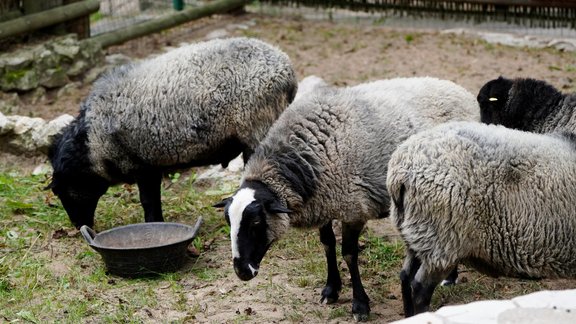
(117, 59)
(54, 78)
(25, 79)
(68, 89)
(94, 73)
(67, 46)
(9, 103)
(38, 95)
(17, 61)
(78, 67)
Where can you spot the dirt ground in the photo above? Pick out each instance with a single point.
(342, 54)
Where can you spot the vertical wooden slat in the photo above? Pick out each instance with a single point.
(79, 26)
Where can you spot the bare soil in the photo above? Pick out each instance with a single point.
(342, 54)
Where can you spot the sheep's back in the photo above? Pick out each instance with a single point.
(351, 132)
(488, 196)
(424, 101)
(181, 105)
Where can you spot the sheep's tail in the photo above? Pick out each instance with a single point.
(397, 190)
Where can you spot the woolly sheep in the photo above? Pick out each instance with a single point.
(326, 159)
(497, 199)
(527, 104)
(197, 105)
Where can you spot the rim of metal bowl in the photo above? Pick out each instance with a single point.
(90, 235)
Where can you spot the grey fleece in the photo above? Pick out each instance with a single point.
(498, 199)
(180, 106)
(345, 137)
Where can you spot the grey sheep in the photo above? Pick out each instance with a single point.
(326, 159)
(201, 104)
(497, 199)
(527, 104)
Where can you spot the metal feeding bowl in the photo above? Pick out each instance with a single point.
(142, 249)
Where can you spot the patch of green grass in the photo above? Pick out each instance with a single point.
(96, 16)
(48, 272)
(338, 312)
(380, 252)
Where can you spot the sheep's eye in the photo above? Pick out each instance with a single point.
(492, 99)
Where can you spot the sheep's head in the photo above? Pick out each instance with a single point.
(73, 180)
(79, 194)
(492, 99)
(520, 103)
(257, 219)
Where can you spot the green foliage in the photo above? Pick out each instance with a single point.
(96, 16)
(409, 38)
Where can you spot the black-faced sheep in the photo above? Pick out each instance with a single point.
(497, 199)
(325, 159)
(200, 104)
(527, 104)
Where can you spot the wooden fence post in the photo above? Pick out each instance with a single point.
(79, 26)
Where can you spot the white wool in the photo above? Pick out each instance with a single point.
(239, 202)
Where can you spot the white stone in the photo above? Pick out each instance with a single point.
(481, 312)
(565, 299)
(42, 169)
(536, 316)
(23, 125)
(6, 125)
(424, 318)
(218, 33)
(231, 173)
(42, 137)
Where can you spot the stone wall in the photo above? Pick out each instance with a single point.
(29, 136)
(52, 64)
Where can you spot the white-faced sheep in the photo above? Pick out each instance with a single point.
(325, 159)
(201, 104)
(497, 199)
(527, 104)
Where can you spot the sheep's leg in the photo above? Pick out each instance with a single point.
(423, 286)
(246, 154)
(360, 300)
(452, 277)
(409, 269)
(333, 282)
(150, 185)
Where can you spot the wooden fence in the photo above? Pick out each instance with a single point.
(24, 17)
(62, 16)
(552, 11)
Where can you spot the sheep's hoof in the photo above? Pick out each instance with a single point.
(329, 295)
(360, 311)
(447, 282)
(361, 317)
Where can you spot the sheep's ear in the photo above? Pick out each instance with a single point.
(222, 203)
(277, 208)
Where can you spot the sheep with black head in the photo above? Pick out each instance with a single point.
(200, 104)
(527, 104)
(326, 159)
